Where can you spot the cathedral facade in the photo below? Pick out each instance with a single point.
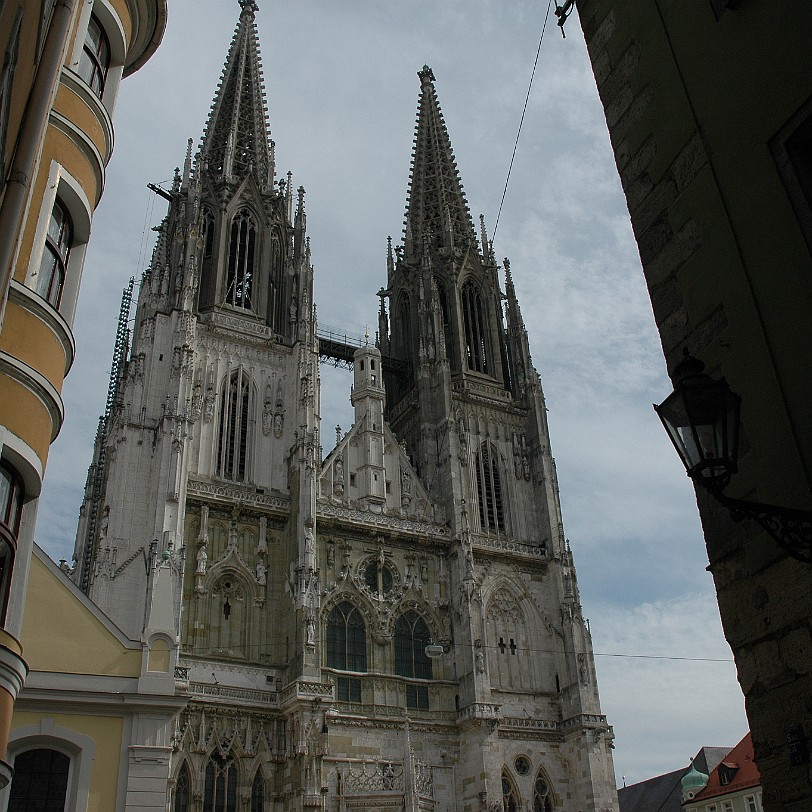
(397, 624)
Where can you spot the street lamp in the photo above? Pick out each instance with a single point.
(702, 417)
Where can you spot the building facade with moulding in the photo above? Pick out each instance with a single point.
(709, 109)
(63, 61)
(397, 623)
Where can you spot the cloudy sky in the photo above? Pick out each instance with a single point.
(342, 94)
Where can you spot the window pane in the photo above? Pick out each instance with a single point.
(40, 782)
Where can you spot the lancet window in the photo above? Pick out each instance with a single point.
(242, 250)
(476, 329)
(445, 314)
(489, 490)
(207, 260)
(541, 794)
(235, 419)
(404, 322)
(258, 793)
(411, 638)
(51, 277)
(183, 790)
(510, 797)
(220, 789)
(346, 648)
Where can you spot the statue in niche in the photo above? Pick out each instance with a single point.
(526, 467)
(583, 669)
(262, 570)
(331, 554)
(480, 662)
(310, 548)
(405, 487)
(277, 425)
(338, 478)
(202, 558)
(311, 629)
(267, 411)
(424, 571)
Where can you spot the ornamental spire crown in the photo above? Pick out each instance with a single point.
(436, 205)
(236, 139)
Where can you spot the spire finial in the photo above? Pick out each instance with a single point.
(426, 75)
(248, 7)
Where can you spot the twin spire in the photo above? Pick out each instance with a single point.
(236, 138)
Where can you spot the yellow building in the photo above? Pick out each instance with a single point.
(63, 61)
(96, 714)
(709, 109)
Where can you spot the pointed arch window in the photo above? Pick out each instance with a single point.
(235, 418)
(183, 790)
(489, 490)
(445, 314)
(411, 638)
(541, 794)
(258, 793)
(207, 259)
(51, 277)
(405, 324)
(220, 790)
(242, 249)
(510, 797)
(476, 329)
(40, 781)
(346, 648)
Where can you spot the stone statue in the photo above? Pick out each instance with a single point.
(261, 573)
(202, 558)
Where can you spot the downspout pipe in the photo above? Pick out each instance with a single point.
(30, 140)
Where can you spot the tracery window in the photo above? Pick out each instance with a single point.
(220, 790)
(12, 493)
(206, 262)
(445, 314)
(510, 797)
(476, 329)
(258, 793)
(95, 59)
(40, 782)
(232, 439)
(346, 648)
(51, 277)
(541, 795)
(489, 490)
(411, 638)
(242, 249)
(183, 790)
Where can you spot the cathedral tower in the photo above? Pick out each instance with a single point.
(396, 624)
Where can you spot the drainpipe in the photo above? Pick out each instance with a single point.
(29, 141)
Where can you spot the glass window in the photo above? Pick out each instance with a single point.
(183, 790)
(40, 782)
(258, 793)
(220, 791)
(541, 795)
(11, 504)
(411, 638)
(476, 333)
(51, 277)
(95, 59)
(346, 638)
(510, 798)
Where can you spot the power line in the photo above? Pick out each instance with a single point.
(521, 122)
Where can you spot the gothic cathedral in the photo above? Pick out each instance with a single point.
(397, 624)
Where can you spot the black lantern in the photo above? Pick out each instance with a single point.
(702, 417)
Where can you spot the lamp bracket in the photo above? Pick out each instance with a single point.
(789, 527)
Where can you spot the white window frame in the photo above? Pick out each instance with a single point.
(62, 185)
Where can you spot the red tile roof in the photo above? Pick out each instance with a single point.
(746, 776)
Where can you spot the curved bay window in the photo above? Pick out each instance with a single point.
(476, 329)
(242, 248)
(232, 438)
(51, 277)
(11, 507)
(40, 781)
(95, 59)
(489, 490)
(220, 790)
(411, 638)
(346, 648)
(510, 798)
(183, 790)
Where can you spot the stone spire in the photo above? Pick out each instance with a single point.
(236, 138)
(436, 205)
